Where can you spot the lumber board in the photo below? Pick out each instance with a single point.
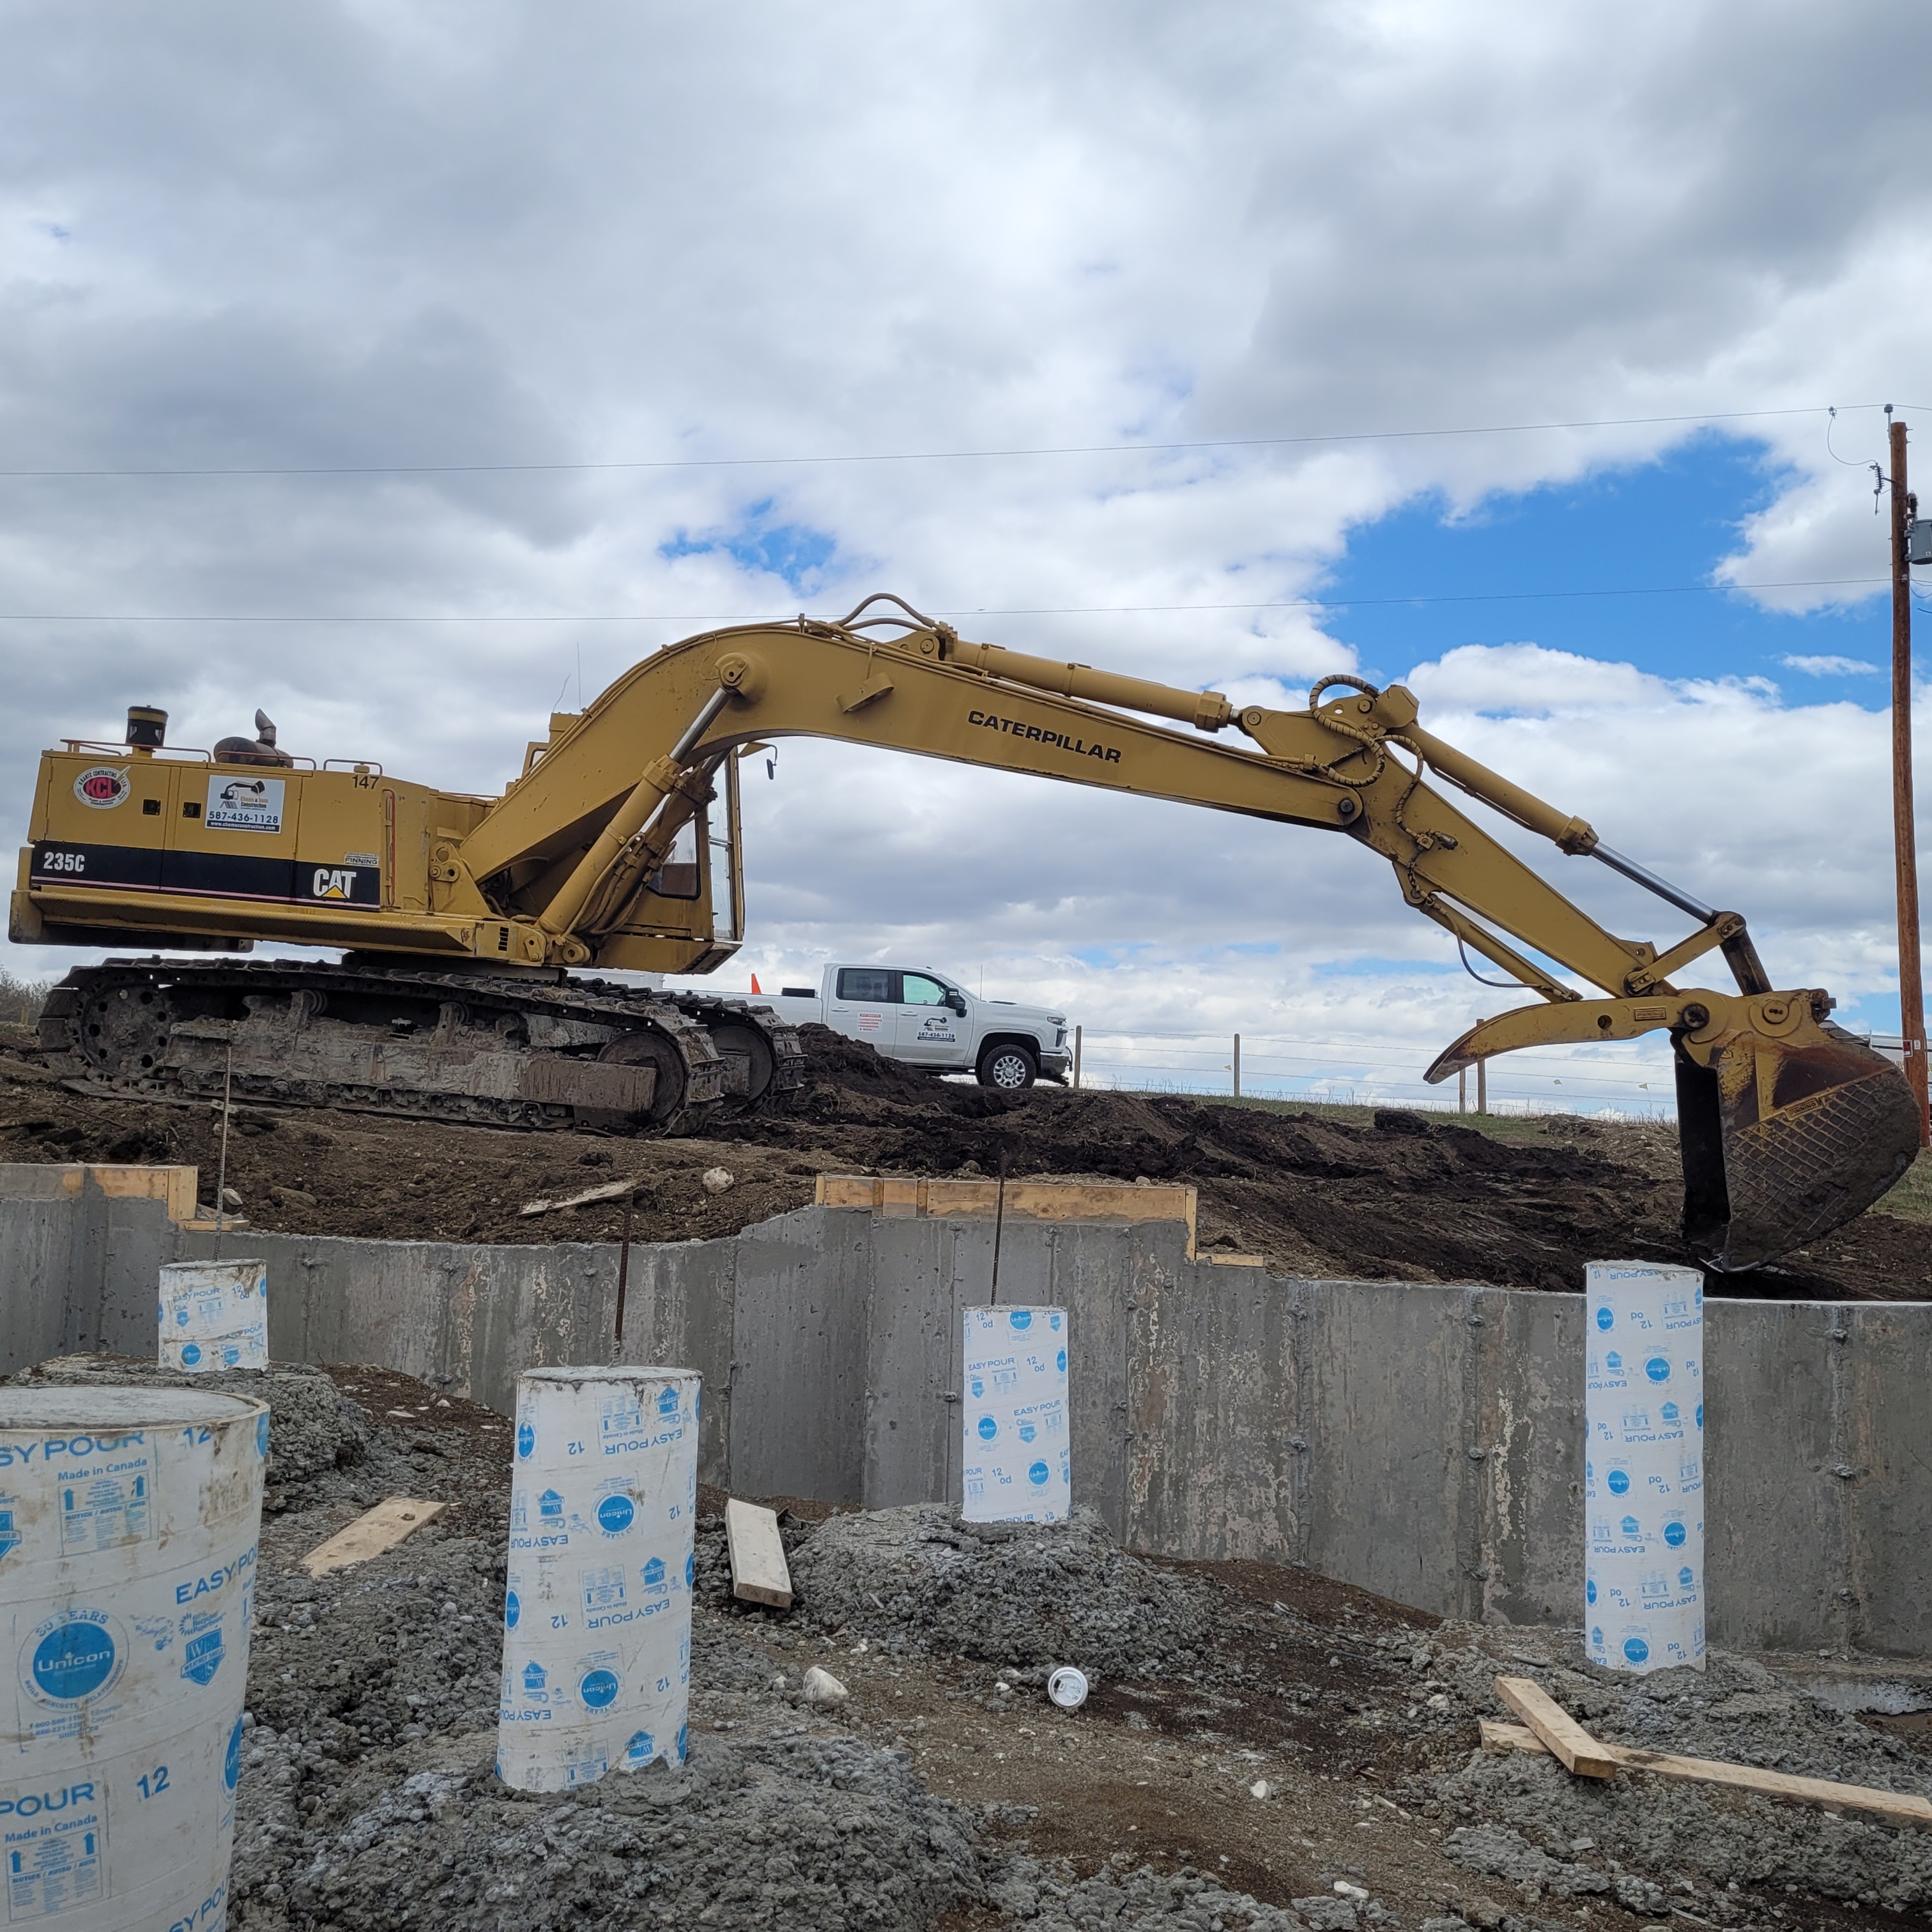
(1896, 1807)
(1027, 1200)
(759, 1574)
(1582, 1755)
(610, 1191)
(372, 1532)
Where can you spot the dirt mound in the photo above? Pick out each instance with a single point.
(1387, 1194)
(1031, 1594)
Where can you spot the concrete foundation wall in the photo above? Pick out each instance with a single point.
(1423, 1441)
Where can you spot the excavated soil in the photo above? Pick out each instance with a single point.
(1386, 1194)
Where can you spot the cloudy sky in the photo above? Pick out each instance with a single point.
(500, 344)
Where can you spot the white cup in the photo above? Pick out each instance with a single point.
(1067, 1687)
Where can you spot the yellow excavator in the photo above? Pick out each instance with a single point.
(469, 924)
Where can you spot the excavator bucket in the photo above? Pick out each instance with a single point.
(1783, 1140)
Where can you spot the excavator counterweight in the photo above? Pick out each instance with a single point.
(466, 923)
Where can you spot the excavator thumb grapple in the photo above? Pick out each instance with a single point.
(1785, 1138)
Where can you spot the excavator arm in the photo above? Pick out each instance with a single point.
(1789, 1126)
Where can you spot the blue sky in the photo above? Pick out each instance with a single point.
(1666, 523)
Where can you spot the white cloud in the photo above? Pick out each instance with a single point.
(1831, 667)
(465, 234)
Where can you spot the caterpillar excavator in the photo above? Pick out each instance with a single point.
(472, 929)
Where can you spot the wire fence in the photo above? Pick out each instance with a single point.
(1633, 1083)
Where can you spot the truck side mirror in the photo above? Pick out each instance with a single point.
(956, 1000)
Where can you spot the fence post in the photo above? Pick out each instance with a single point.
(1462, 1089)
(1482, 1086)
(1237, 1067)
(1076, 1060)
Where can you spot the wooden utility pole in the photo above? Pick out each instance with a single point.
(1911, 984)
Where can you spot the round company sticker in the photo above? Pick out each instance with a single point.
(615, 1515)
(1022, 1318)
(1700, 1415)
(1635, 1649)
(231, 1765)
(1606, 1320)
(690, 1572)
(597, 1688)
(1658, 1369)
(1619, 1482)
(1062, 1362)
(262, 1435)
(1037, 1473)
(191, 1354)
(72, 1657)
(1674, 1534)
(1590, 1590)
(512, 1610)
(988, 1429)
(104, 787)
(527, 1439)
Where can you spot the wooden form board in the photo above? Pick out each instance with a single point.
(372, 1532)
(1582, 1755)
(1029, 1200)
(1896, 1807)
(759, 1574)
(174, 1187)
(610, 1191)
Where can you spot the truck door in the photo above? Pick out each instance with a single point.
(930, 1034)
(864, 1001)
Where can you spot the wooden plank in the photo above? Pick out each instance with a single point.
(759, 1572)
(372, 1532)
(1031, 1200)
(1899, 1807)
(1582, 1756)
(611, 1191)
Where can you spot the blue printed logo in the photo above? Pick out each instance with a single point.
(1670, 1412)
(1596, 1636)
(73, 1661)
(231, 1764)
(512, 1610)
(690, 1572)
(9, 1536)
(231, 1356)
(1062, 1361)
(1037, 1473)
(614, 1515)
(262, 1434)
(535, 1678)
(654, 1573)
(1700, 1415)
(1635, 1649)
(1590, 1591)
(181, 1318)
(1606, 1319)
(190, 1354)
(683, 1738)
(549, 1504)
(527, 1439)
(1686, 1577)
(1618, 1481)
(638, 1751)
(667, 1403)
(1657, 1369)
(1022, 1318)
(1614, 1362)
(202, 1656)
(1053, 1321)
(1674, 1534)
(1027, 1432)
(979, 1388)
(597, 1688)
(988, 1429)
(1630, 1526)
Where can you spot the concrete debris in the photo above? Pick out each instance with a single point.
(1328, 1913)
(1047, 1899)
(820, 1687)
(1504, 1853)
(716, 1180)
(1012, 1593)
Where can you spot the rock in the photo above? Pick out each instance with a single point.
(1359, 1893)
(822, 1687)
(1261, 1788)
(1137, 1720)
(717, 1180)
(291, 1197)
(231, 1200)
(1326, 1913)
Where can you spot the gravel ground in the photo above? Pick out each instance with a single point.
(1264, 1748)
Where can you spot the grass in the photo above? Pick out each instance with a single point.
(21, 1000)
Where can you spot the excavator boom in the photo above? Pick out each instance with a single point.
(617, 847)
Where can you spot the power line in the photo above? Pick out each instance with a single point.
(983, 610)
(924, 455)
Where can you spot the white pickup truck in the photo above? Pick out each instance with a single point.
(919, 1016)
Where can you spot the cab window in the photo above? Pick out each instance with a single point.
(872, 984)
(921, 992)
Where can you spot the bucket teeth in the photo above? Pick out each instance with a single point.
(1783, 1142)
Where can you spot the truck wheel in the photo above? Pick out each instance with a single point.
(1010, 1068)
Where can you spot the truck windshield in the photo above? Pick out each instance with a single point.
(921, 992)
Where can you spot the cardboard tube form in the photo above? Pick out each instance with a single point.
(1016, 1467)
(129, 1519)
(1643, 1469)
(597, 1612)
(214, 1315)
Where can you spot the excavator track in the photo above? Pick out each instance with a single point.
(476, 1049)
